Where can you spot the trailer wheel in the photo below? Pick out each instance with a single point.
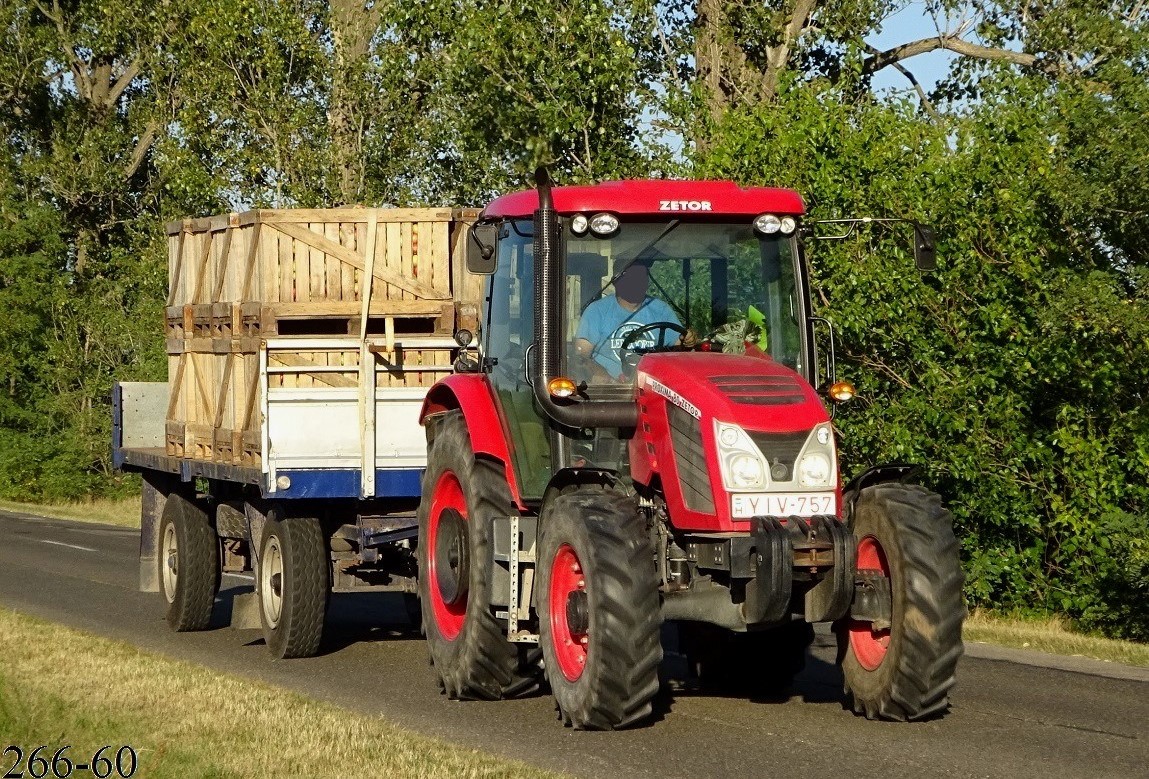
(904, 670)
(599, 616)
(292, 582)
(761, 663)
(461, 497)
(188, 564)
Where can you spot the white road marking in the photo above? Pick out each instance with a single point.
(247, 576)
(70, 546)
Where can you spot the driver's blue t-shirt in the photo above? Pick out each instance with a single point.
(606, 324)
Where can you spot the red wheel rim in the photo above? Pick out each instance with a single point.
(449, 617)
(570, 645)
(869, 645)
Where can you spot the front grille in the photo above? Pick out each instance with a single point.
(761, 391)
(780, 447)
(686, 438)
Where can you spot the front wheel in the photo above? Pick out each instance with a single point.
(904, 670)
(292, 582)
(599, 615)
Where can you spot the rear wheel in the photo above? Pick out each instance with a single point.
(904, 670)
(188, 564)
(292, 582)
(462, 495)
(598, 608)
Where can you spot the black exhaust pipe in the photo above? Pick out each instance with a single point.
(548, 327)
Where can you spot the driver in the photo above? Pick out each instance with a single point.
(607, 321)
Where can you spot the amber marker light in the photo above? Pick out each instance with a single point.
(561, 387)
(841, 391)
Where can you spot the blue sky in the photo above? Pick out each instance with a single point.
(910, 24)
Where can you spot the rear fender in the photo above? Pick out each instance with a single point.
(471, 394)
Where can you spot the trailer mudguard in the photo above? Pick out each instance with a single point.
(471, 394)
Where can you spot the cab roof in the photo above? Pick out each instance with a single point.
(654, 197)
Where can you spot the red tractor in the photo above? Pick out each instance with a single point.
(639, 442)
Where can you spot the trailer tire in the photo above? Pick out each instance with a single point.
(599, 616)
(187, 564)
(462, 495)
(905, 672)
(292, 580)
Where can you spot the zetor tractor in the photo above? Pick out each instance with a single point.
(608, 464)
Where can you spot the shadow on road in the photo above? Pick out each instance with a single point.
(377, 617)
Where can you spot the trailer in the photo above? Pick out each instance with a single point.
(301, 346)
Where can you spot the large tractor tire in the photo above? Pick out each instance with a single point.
(188, 564)
(292, 579)
(598, 606)
(760, 664)
(462, 495)
(904, 670)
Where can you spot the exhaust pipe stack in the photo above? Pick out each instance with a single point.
(548, 327)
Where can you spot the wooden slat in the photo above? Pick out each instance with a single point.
(333, 284)
(404, 308)
(351, 258)
(291, 360)
(302, 215)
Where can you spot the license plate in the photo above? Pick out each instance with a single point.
(781, 504)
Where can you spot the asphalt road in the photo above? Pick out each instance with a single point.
(1013, 715)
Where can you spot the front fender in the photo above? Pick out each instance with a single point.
(471, 393)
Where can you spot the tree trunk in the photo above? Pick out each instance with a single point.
(353, 25)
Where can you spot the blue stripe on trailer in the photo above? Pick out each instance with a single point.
(389, 483)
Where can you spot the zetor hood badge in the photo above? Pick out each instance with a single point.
(666, 392)
(684, 205)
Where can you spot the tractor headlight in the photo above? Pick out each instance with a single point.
(767, 224)
(814, 470)
(603, 224)
(742, 465)
(745, 470)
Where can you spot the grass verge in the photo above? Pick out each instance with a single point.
(59, 687)
(1052, 635)
(125, 512)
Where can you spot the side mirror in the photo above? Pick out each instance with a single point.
(482, 242)
(925, 248)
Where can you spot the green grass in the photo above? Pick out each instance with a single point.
(124, 512)
(59, 687)
(1051, 634)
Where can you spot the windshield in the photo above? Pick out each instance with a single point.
(652, 285)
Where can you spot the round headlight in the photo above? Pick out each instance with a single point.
(768, 224)
(788, 225)
(823, 435)
(603, 224)
(814, 470)
(728, 436)
(745, 470)
(579, 224)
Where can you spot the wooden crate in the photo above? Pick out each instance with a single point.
(235, 280)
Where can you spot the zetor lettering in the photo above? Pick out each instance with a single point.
(684, 205)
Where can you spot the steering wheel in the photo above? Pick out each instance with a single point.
(626, 348)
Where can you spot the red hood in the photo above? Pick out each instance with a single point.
(756, 393)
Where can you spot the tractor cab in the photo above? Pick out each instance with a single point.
(710, 270)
